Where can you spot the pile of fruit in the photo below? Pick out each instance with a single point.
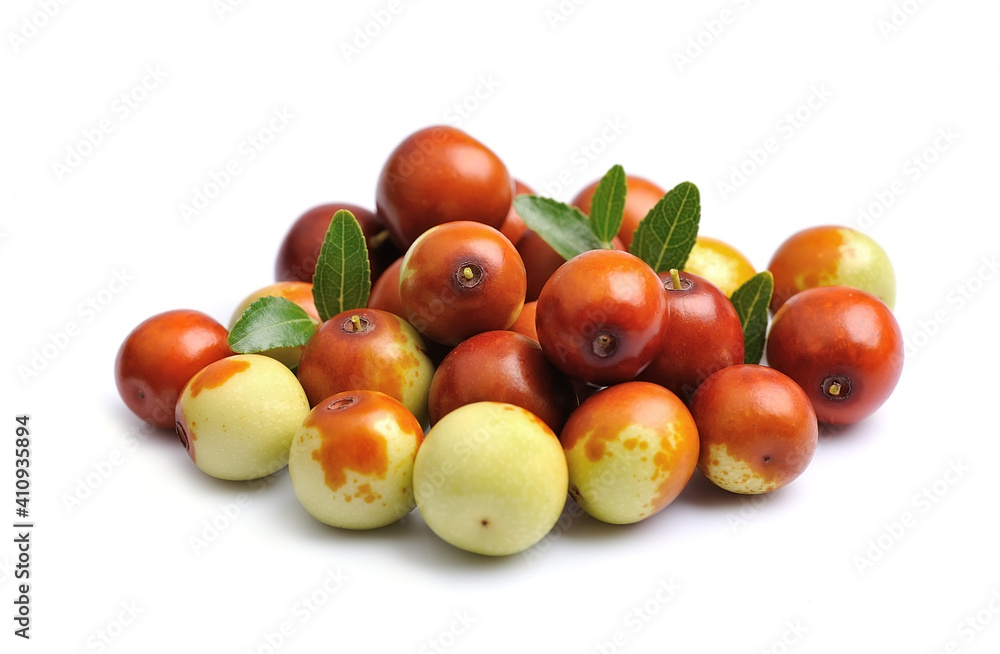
(600, 350)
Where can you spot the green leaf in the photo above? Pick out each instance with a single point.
(565, 228)
(751, 301)
(271, 322)
(342, 280)
(664, 238)
(607, 207)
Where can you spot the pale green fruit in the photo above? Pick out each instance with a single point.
(490, 478)
(351, 461)
(236, 417)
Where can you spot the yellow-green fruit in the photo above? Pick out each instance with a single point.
(631, 448)
(490, 478)
(719, 263)
(351, 461)
(831, 255)
(236, 417)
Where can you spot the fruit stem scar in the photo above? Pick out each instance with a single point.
(469, 275)
(604, 344)
(355, 324)
(836, 387)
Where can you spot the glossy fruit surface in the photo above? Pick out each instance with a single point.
(630, 449)
(351, 460)
(540, 261)
(757, 427)
(719, 263)
(385, 291)
(490, 478)
(160, 355)
(641, 196)
(502, 366)
(844, 348)
(513, 226)
(298, 292)
(525, 323)
(459, 279)
(599, 317)
(702, 333)
(437, 175)
(237, 416)
(368, 349)
(831, 255)
(299, 250)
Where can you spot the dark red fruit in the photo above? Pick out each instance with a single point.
(599, 317)
(502, 366)
(299, 251)
(459, 279)
(438, 175)
(702, 333)
(160, 355)
(385, 291)
(844, 348)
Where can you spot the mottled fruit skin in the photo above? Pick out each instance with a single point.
(757, 427)
(641, 196)
(513, 226)
(298, 292)
(719, 263)
(160, 355)
(844, 348)
(702, 333)
(385, 291)
(460, 279)
(437, 175)
(502, 366)
(490, 478)
(599, 317)
(831, 255)
(299, 250)
(371, 350)
(237, 416)
(630, 449)
(351, 460)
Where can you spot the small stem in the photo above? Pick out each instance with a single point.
(468, 273)
(675, 278)
(356, 321)
(833, 389)
(378, 239)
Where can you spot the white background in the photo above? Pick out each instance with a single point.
(824, 565)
